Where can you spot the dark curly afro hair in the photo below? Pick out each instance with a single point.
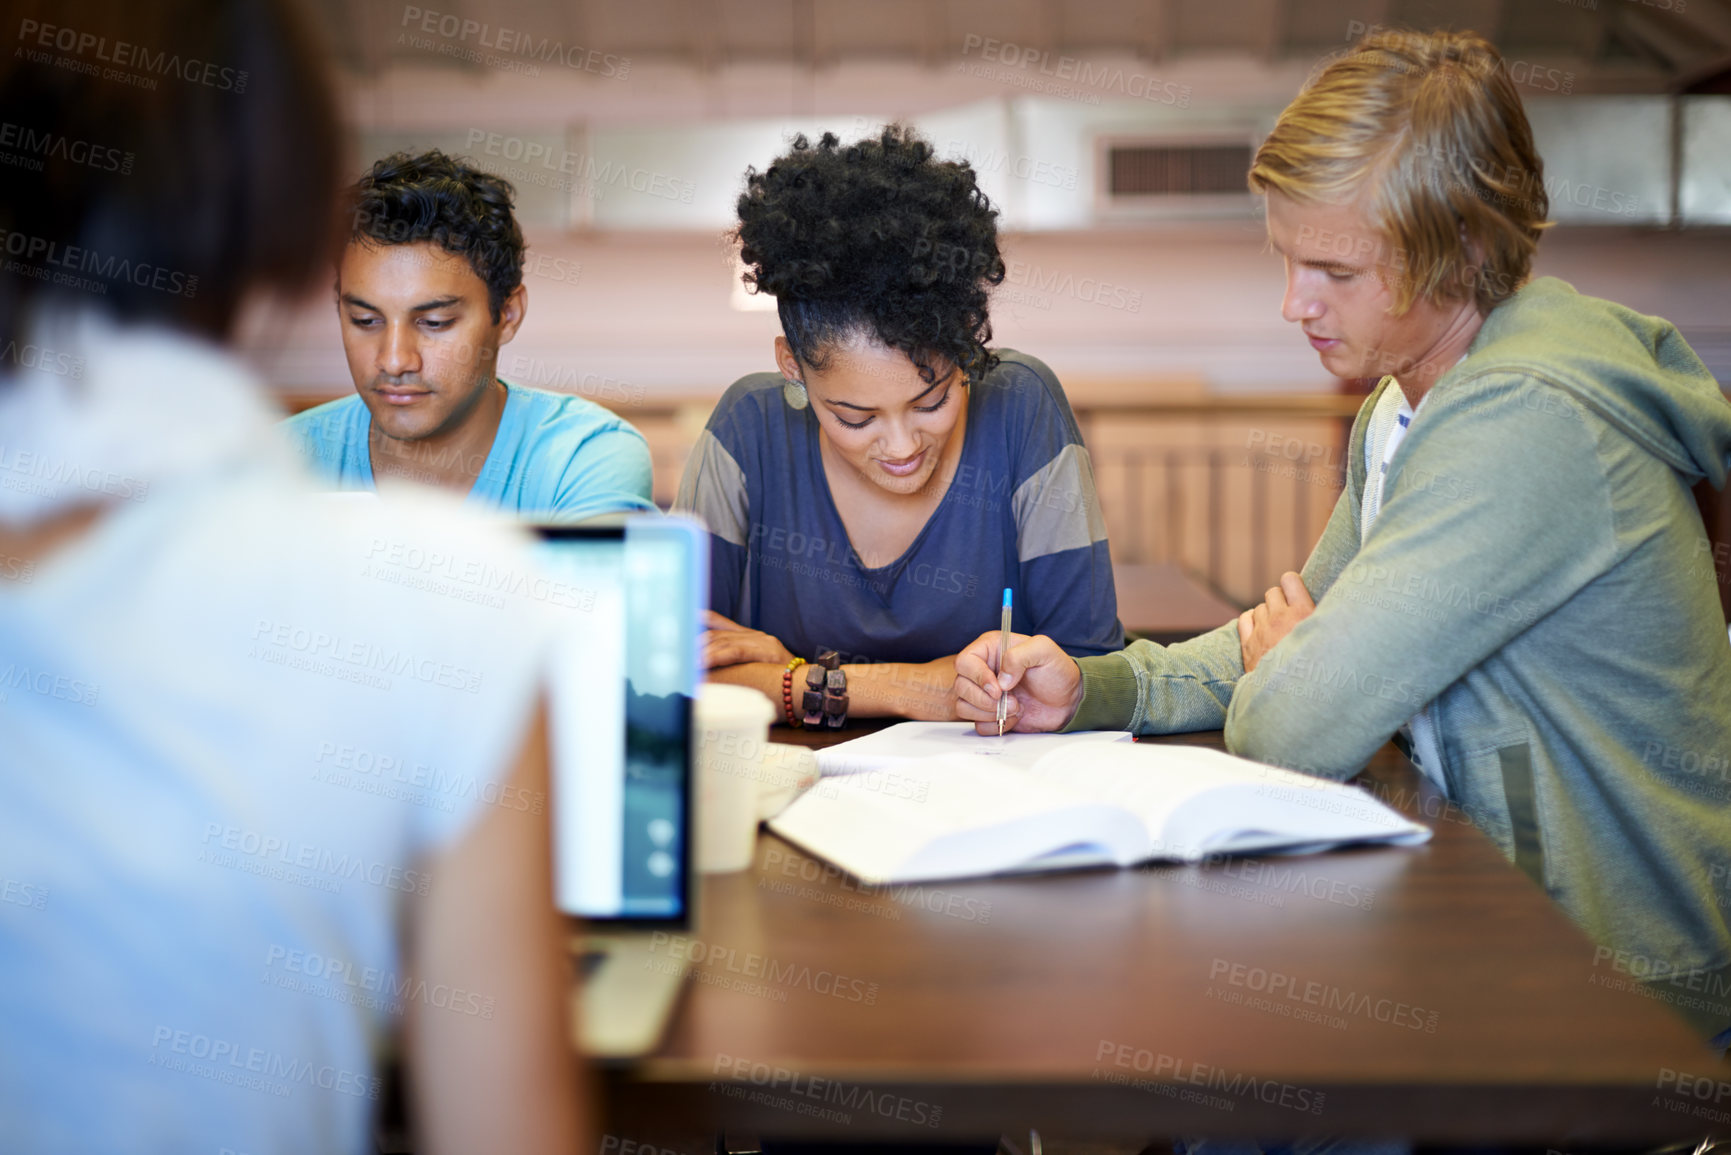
(407, 198)
(876, 239)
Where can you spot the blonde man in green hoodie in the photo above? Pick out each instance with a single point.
(1515, 583)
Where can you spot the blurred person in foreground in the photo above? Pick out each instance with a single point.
(429, 289)
(1516, 582)
(243, 842)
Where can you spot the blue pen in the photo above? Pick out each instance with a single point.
(1003, 652)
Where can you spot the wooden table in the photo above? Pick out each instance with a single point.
(1431, 992)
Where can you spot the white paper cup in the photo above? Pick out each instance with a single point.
(732, 739)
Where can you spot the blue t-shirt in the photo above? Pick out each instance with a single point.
(554, 455)
(1021, 511)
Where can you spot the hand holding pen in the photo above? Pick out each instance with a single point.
(1043, 691)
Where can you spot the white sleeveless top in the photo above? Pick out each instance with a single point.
(237, 721)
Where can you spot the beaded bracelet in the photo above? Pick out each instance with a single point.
(825, 698)
(793, 719)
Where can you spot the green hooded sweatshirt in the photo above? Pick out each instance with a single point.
(1539, 576)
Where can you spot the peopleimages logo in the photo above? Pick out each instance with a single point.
(352, 659)
(1685, 1093)
(1166, 1070)
(510, 42)
(226, 1061)
(38, 145)
(34, 35)
(26, 894)
(304, 863)
(1110, 79)
(63, 687)
(372, 988)
(33, 356)
(1034, 170)
(1288, 990)
(816, 1096)
(393, 776)
(729, 962)
(535, 162)
(61, 264)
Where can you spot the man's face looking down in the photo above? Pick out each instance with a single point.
(421, 344)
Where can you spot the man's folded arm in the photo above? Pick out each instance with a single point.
(1498, 514)
(1154, 689)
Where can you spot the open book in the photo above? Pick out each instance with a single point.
(1079, 804)
(909, 741)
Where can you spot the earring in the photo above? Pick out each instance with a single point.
(793, 392)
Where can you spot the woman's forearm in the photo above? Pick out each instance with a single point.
(765, 677)
(922, 691)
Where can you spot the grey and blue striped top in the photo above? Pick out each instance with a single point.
(1021, 511)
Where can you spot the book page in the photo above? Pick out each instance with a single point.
(949, 818)
(1246, 818)
(907, 741)
(1193, 802)
(1151, 782)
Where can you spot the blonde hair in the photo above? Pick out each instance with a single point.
(1431, 124)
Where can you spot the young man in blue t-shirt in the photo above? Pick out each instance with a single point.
(429, 287)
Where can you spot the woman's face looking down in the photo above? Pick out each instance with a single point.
(878, 414)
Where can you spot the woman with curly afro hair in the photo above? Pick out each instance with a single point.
(877, 495)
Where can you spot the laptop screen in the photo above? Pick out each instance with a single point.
(623, 676)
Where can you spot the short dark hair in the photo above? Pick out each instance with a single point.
(408, 199)
(216, 177)
(877, 239)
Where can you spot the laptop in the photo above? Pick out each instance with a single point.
(623, 677)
